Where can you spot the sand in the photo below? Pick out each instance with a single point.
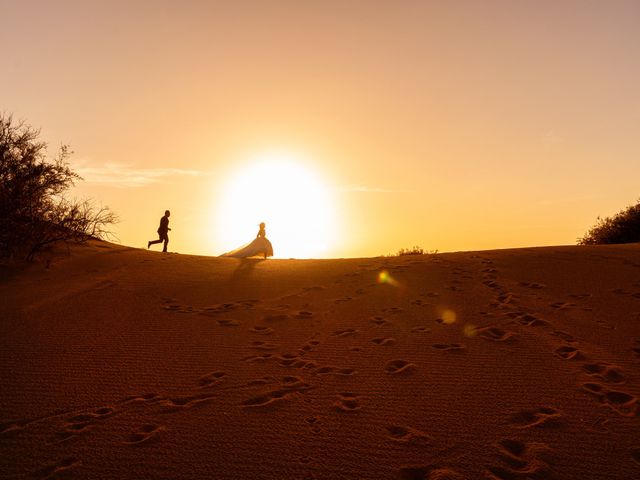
(514, 364)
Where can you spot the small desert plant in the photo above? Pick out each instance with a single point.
(415, 250)
(34, 212)
(624, 227)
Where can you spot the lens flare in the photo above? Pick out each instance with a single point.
(448, 316)
(469, 330)
(385, 277)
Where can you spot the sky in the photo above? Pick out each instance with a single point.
(352, 128)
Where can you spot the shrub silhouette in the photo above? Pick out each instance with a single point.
(34, 212)
(415, 250)
(624, 227)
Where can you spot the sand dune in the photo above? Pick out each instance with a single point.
(512, 364)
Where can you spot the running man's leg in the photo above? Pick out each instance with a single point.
(166, 241)
(153, 242)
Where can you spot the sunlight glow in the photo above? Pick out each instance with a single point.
(277, 188)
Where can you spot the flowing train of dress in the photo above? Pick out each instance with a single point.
(260, 246)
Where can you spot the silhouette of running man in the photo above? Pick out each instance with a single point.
(163, 232)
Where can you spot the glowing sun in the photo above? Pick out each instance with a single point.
(283, 192)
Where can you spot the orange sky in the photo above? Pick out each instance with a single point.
(450, 125)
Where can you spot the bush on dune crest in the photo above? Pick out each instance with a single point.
(624, 227)
(34, 212)
(415, 250)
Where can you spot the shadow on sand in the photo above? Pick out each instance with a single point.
(245, 267)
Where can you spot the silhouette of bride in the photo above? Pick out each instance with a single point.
(260, 246)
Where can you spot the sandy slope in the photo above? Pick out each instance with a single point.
(512, 364)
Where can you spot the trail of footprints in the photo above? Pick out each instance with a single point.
(55, 470)
(83, 422)
(289, 386)
(599, 372)
(517, 459)
(145, 433)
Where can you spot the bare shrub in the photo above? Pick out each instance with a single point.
(34, 211)
(624, 227)
(415, 250)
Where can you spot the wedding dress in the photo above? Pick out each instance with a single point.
(260, 246)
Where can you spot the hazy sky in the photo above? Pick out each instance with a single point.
(446, 124)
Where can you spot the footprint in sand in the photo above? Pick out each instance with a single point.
(262, 330)
(227, 322)
(384, 341)
(211, 379)
(409, 435)
(521, 461)
(344, 333)
(604, 324)
(448, 347)
(316, 288)
(222, 308)
(567, 337)
(313, 422)
(605, 371)
(260, 381)
(347, 402)
(144, 434)
(579, 296)
(144, 398)
(395, 367)
(266, 399)
(11, 428)
(81, 423)
(569, 353)
(421, 303)
(342, 299)
(620, 291)
(380, 321)
(57, 469)
(504, 299)
(491, 283)
(182, 403)
(174, 307)
(257, 358)
(494, 334)
(599, 425)
(421, 329)
(534, 285)
(264, 345)
(310, 345)
(540, 417)
(447, 321)
(294, 361)
(623, 403)
(562, 305)
(334, 371)
(290, 386)
(529, 320)
(392, 310)
(98, 414)
(429, 472)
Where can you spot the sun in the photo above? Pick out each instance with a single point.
(283, 191)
